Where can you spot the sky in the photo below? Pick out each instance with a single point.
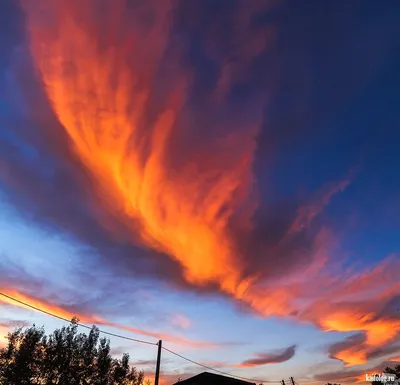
(222, 176)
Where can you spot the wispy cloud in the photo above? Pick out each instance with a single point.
(353, 374)
(269, 358)
(307, 213)
(88, 318)
(181, 321)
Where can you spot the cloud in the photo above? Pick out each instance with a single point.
(307, 213)
(385, 351)
(352, 375)
(144, 363)
(93, 206)
(87, 318)
(150, 163)
(118, 351)
(353, 309)
(181, 321)
(355, 350)
(270, 357)
(10, 323)
(351, 346)
(125, 161)
(46, 166)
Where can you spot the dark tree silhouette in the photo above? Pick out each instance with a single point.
(395, 370)
(65, 357)
(388, 370)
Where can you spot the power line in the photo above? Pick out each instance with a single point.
(219, 371)
(69, 321)
(135, 340)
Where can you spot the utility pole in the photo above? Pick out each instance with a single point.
(292, 380)
(158, 362)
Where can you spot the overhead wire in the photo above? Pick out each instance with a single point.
(69, 321)
(136, 340)
(219, 371)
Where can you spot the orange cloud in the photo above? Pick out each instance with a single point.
(102, 95)
(125, 128)
(42, 305)
(163, 336)
(378, 331)
(92, 319)
(352, 375)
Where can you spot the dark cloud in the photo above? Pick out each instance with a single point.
(14, 275)
(384, 351)
(391, 308)
(354, 341)
(368, 344)
(353, 375)
(342, 375)
(275, 357)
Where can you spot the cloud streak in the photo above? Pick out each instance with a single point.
(86, 318)
(269, 358)
(353, 375)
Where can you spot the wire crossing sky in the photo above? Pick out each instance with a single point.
(18, 302)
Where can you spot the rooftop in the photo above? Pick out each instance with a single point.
(207, 378)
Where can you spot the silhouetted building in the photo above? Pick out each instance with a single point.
(207, 378)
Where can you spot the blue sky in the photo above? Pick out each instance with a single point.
(264, 153)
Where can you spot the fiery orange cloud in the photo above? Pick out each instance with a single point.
(352, 356)
(92, 319)
(352, 375)
(351, 308)
(378, 332)
(102, 97)
(100, 77)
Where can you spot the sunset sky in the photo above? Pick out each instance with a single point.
(221, 175)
